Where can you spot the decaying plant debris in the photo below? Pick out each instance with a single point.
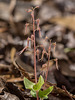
(57, 21)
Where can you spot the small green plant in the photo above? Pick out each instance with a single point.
(36, 87)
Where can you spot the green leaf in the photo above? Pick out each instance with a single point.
(46, 97)
(28, 84)
(37, 86)
(43, 94)
(33, 93)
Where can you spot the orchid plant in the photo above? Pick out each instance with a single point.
(36, 89)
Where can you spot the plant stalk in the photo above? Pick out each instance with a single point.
(34, 47)
(34, 51)
(49, 49)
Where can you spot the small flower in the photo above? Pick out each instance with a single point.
(54, 46)
(26, 26)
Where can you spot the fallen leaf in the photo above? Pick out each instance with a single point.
(66, 21)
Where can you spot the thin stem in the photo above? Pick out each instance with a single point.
(49, 49)
(34, 51)
(34, 47)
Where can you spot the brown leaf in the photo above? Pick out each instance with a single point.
(67, 21)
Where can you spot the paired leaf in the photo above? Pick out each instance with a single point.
(38, 86)
(33, 93)
(28, 84)
(43, 94)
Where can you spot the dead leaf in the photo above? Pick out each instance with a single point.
(66, 21)
(67, 68)
(22, 70)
